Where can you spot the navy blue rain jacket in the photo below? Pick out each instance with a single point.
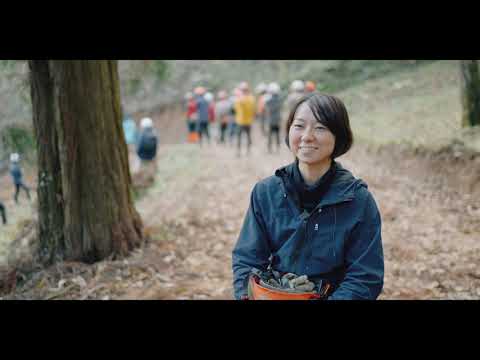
(147, 145)
(16, 173)
(340, 240)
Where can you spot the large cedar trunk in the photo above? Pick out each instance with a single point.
(470, 92)
(86, 210)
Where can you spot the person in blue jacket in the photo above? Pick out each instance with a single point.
(202, 114)
(130, 132)
(17, 176)
(147, 142)
(313, 217)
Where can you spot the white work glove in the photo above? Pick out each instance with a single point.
(298, 283)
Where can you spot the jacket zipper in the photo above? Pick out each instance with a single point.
(305, 220)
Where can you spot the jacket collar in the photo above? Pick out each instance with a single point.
(341, 190)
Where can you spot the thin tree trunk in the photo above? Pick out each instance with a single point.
(470, 92)
(99, 218)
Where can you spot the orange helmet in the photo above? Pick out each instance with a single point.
(262, 292)
(258, 289)
(310, 86)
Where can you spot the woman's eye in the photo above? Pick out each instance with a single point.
(298, 126)
(320, 128)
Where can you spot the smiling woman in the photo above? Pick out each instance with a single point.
(311, 143)
(312, 220)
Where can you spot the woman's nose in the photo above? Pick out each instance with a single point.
(307, 134)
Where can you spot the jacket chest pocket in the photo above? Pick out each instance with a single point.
(282, 227)
(321, 232)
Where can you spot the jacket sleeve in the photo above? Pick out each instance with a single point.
(363, 258)
(252, 248)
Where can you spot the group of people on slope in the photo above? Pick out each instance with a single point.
(235, 114)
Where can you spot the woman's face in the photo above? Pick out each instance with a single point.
(310, 141)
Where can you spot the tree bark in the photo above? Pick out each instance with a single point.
(93, 197)
(470, 92)
(50, 198)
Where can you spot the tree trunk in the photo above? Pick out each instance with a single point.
(89, 161)
(50, 211)
(470, 92)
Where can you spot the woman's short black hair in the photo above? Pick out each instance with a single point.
(331, 112)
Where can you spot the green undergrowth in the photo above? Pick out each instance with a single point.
(419, 109)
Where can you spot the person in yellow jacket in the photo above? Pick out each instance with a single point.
(244, 115)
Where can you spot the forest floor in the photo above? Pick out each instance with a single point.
(195, 209)
(193, 212)
(18, 215)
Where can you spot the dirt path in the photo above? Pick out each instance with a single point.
(204, 205)
(17, 214)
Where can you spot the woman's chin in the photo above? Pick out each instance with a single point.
(311, 161)
(307, 160)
